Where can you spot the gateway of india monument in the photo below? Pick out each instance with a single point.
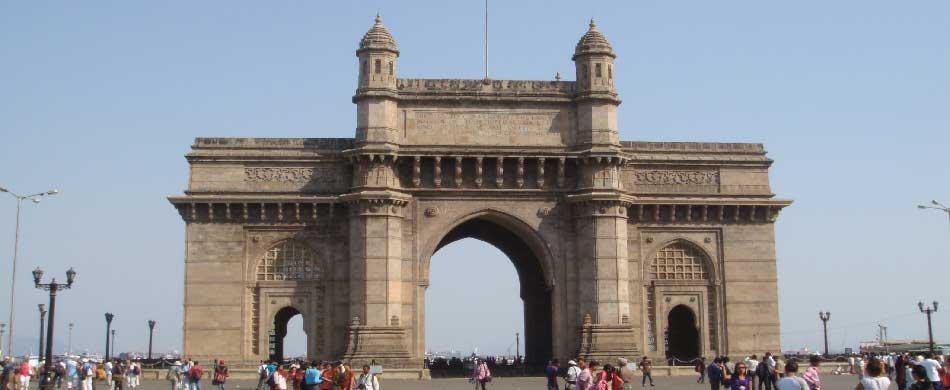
(622, 248)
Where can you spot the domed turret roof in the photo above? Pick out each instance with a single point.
(378, 37)
(593, 42)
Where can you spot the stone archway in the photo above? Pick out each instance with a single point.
(502, 232)
(276, 342)
(682, 335)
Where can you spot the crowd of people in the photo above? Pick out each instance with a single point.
(314, 376)
(73, 373)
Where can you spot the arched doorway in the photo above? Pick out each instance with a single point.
(281, 319)
(682, 335)
(504, 234)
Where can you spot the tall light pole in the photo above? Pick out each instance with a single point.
(936, 206)
(42, 308)
(69, 345)
(151, 332)
(109, 317)
(825, 316)
(35, 198)
(3, 329)
(46, 381)
(882, 335)
(113, 343)
(930, 330)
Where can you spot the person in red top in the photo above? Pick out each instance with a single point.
(24, 372)
(194, 376)
(327, 374)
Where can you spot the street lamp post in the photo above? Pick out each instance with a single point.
(109, 317)
(42, 308)
(3, 329)
(151, 332)
(69, 345)
(113, 343)
(35, 198)
(930, 330)
(825, 316)
(936, 206)
(47, 381)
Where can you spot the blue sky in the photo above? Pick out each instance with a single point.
(102, 99)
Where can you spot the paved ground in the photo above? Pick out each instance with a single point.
(829, 382)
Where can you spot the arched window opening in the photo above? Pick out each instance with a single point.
(391, 68)
(679, 261)
(289, 260)
(377, 66)
(597, 70)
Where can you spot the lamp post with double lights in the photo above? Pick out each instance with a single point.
(109, 317)
(151, 332)
(46, 381)
(825, 316)
(930, 330)
(42, 308)
(935, 205)
(35, 198)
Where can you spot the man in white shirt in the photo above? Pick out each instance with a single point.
(571, 377)
(791, 381)
(107, 369)
(933, 374)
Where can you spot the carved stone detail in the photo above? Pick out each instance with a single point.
(681, 177)
(432, 211)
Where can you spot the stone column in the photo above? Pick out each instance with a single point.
(376, 279)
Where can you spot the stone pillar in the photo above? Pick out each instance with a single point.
(376, 279)
(602, 257)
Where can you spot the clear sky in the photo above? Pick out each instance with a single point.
(103, 99)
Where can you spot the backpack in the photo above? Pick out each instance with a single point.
(220, 375)
(82, 372)
(271, 381)
(195, 373)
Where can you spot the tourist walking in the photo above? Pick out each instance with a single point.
(24, 375)
(600, 377)
(626, 374)
(700, 368)
(570, 377)
(646, 367)
(919, 379)
(874, 378)
(933, 368)
(220, 375)
(368, 381)
(262, 375)
(551, 372)
(584, 379)
(89, 374)
(133, 374)
(173, 376)
(739, 379)
(765, 372)
(194, 376)
(118, 375)
(791, 380)
(311, 376)
(278, 380)
(715, 374)
(811, 376)
(481, 373)
(348, 380)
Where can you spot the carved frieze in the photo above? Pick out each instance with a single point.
(676, 177)
(280, 175)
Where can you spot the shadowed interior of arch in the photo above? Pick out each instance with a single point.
(282, 346)
(535, 294)
(683, 336)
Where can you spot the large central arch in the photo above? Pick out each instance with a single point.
(526, 250)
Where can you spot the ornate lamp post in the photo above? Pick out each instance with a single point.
(930, 330)
(42, 308)
(35, 198)
(151, 332)
(825, 316)
(113, 343)
(109, 317)
(46, 381)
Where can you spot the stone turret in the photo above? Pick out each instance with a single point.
(376, 91)
(596, 96)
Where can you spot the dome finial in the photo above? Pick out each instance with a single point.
(593, 26)
(379, 20)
